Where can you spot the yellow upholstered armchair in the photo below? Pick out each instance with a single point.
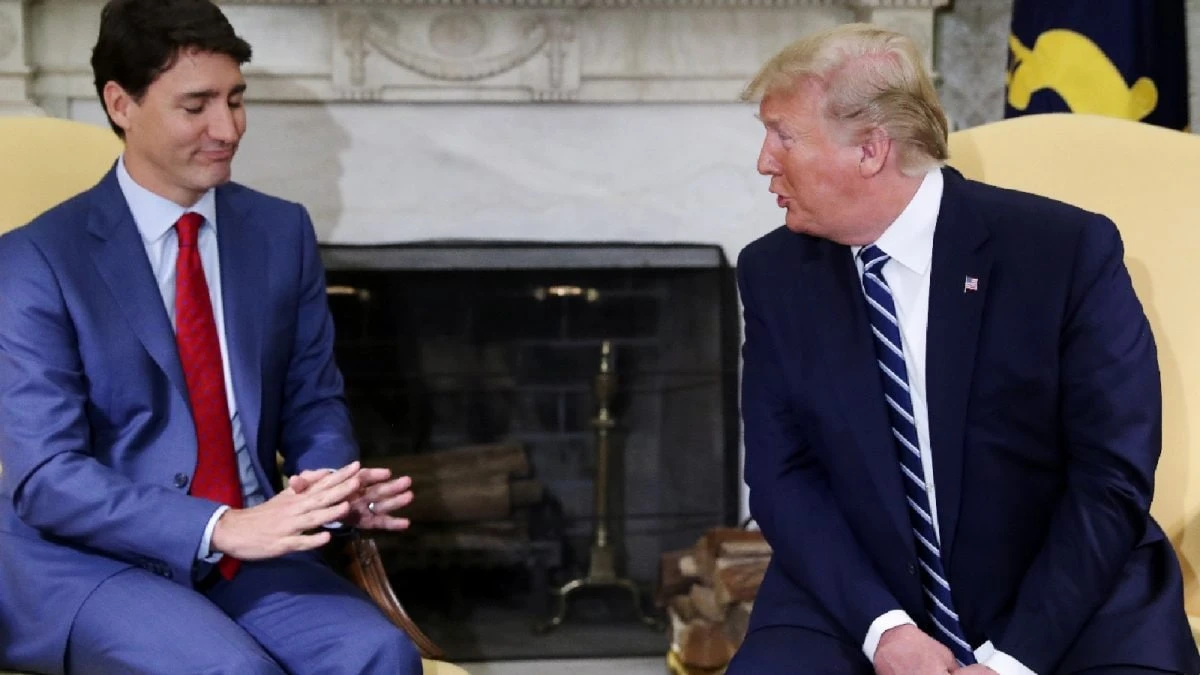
(1146, 179)
(46, 160)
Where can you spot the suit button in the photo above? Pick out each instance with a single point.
(912, 569)
(181, 480)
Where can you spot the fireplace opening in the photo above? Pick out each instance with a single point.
(493, 373)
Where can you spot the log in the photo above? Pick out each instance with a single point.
(698, 643)
(463, 499)
(737, 622)
(739, 550)
(727, 542)
(466, 484)
(709, 591)
(525, 492)
(704, 599)
(671, 578)
(739, 583)
(508, 459)
(688, 566)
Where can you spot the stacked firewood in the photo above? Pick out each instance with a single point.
(468, 498)
(708, 591)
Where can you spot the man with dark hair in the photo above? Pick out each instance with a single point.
(163, 336)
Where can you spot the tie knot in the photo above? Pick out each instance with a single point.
(873, 258)
(188, 227)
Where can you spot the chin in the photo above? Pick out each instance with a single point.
(798, 227)
(212, 179)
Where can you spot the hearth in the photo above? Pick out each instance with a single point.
(472, 365)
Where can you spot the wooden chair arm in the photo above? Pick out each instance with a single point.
(365, 568)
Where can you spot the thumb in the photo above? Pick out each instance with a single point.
(297, 484)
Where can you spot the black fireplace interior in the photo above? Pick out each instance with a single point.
(487, 353)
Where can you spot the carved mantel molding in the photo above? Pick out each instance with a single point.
(15, 72)
(613, 4)
(624, 51)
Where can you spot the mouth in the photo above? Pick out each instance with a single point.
(781, 201)
(222, 155)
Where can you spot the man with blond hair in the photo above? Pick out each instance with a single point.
(951, 401)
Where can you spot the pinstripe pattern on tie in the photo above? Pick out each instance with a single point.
(881, 309)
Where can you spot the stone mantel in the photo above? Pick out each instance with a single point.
(588, 51)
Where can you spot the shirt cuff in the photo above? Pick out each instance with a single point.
(1003, 664)
(205, 553)
(885, 622)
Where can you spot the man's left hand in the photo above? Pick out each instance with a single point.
(976, 669)
(377, 498)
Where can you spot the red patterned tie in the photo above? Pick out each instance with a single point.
(200, 354)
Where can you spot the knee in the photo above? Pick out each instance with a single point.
(239, 660)
(746, 661)
(386, 649)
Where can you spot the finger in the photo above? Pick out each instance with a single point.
(372, 475)
(297, 484)
(341, 475)
(328, 495)
(379, 493)
(395, 487)
(385, 523)
(313, 475)
(386, 506)
(320, 517)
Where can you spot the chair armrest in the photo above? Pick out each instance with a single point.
(365, 568)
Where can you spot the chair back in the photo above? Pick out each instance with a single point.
(45, 160)
(1147, 180)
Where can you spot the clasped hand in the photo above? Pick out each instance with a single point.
(907, 650)
(285, 523)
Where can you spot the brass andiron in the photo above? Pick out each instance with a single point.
(601, 569)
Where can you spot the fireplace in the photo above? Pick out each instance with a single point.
(473, 365)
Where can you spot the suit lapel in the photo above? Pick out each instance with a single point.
(242, 247)
(955, 313)
(831, 281)
(120, 257)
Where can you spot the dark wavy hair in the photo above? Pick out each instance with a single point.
(141, 39)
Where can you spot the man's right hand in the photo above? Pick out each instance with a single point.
(906, 650)
(276, 527)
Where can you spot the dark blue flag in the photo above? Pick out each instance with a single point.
(1120, 58)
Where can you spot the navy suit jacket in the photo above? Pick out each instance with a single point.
(97, 442)
(1044, 416)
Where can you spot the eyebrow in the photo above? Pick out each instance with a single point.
(207, 94)
(771, 123)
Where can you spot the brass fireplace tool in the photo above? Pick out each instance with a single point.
(601, 569)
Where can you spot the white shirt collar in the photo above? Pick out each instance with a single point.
(155, 215)
(909, 239)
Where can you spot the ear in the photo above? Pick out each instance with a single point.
(873, 152)
(119, 105)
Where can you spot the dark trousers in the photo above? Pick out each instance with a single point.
(790, 650)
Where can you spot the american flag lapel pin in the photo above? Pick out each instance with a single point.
(970, 284)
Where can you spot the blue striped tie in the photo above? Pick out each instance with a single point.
(882, 311)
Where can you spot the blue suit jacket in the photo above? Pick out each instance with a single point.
(1044, 416)
(96, 438)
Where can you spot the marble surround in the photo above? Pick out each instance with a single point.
(564, 120)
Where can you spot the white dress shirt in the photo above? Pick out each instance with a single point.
(909, 243)
(155, 218)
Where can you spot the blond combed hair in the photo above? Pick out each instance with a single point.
(872, 79)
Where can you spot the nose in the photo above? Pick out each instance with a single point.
(223, 124)
(767, 165)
